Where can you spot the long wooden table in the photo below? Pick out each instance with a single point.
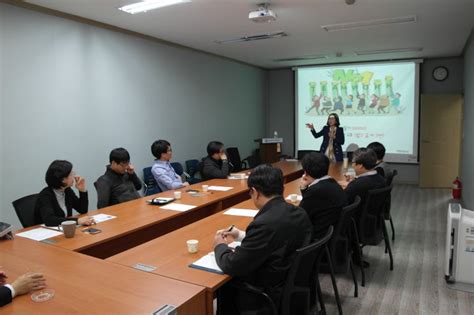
(169, 252)
(138, 222)
(85, 284)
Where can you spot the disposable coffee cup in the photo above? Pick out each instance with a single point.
(69, 228)
(177, 195)
(293, 197)
(193, 246)
(205, 188)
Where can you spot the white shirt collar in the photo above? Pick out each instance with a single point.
(319, 179)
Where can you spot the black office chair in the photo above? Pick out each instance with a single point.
(340, 245)
(254, 160)
(151, 187)
(192, 167)
(297, 296)
(388, 203)
(302, 153)
(25, 210)
(372, 229)
(322, 220)
(234, 158)
(178, 168)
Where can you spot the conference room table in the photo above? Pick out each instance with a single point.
(171, 258)
(84, 284)
(137, 221)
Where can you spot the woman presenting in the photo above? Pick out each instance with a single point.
(333, 138)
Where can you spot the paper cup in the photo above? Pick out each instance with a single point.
(69, 228)
(293, 197)
(193, 246)
(205, 188)
(177, 195)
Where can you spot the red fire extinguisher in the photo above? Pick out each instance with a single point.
(457, 188)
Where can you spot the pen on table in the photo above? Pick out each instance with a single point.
(228, 230)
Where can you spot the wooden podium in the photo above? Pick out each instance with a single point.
(270, 149)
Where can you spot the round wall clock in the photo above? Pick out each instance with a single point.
(440, 73)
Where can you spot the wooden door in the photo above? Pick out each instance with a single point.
(440, 139)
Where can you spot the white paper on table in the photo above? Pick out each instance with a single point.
(207, 262)
(237, 176)
(101, 217)
(298, 197)
(291, 160)
(39, 234)
(220, 188)
(234, 244)
(242, 212)
(177, 207)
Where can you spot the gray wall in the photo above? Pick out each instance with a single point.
(467, 170)
(281, 103)
(73, 91)
(280, 114)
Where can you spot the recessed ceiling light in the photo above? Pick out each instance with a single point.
(387, 51)
(368, 23)
(148, 5)
(248, 38)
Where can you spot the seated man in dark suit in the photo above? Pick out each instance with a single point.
(367, 178)
(268, 245)
(382, 167)
(215, 165)
(22, 285)
(323, 197)
(120, 182)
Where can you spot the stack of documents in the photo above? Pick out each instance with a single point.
(39, 234)
(207, 263)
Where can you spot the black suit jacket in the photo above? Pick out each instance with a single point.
(268, 247)
(5, 295)
(48, 211)
(323, 202)
(337, 143)
(361, 185)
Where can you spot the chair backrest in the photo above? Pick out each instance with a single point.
(296, 295)
(391, 176)
(25, 210)
(149, 180)
(254, 160)
(371, 218)
(234, 157)
(178, 168)
(302, 153)
(192, 167)
(388, 203)
(340, 245)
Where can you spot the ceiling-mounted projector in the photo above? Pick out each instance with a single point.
(263, 14)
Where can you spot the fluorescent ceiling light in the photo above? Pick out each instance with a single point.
(368, 23)
(147, 5)
(248, 38)
(301, 58)
(387, 51)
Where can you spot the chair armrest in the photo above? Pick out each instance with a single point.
(257, 291)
